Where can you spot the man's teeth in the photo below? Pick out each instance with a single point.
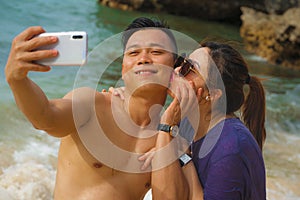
(145, 72)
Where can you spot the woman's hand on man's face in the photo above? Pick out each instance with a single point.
(185, 100)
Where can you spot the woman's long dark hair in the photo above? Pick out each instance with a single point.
(234, 72)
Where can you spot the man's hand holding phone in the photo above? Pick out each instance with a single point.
(71, 47)
(35, 50)
(23, 53)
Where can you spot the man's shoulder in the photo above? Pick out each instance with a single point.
(87, 94)
(82, 91)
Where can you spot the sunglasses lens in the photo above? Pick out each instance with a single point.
(186, 64)
(185, 69)
(178, 62)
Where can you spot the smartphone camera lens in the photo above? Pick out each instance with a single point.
(77, 37)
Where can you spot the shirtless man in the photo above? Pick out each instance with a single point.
(80, 175)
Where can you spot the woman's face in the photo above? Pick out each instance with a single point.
(201, 60)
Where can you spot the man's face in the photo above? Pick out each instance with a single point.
(148, 59)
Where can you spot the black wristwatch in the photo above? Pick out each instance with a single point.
(184, 159)
(172, 130)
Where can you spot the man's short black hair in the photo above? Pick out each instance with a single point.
(143, 23)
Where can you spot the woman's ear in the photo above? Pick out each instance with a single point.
(199, 93)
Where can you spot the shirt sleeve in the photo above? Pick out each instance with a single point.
(226, 179)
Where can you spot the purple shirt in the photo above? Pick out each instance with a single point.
(229, 163)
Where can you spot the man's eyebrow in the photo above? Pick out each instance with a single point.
(137, 46)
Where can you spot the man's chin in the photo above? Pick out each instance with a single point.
(150, 87)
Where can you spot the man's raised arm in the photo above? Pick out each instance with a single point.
(53, 116)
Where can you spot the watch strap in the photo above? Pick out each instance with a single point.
(164, 127)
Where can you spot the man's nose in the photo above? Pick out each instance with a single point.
(145, 58)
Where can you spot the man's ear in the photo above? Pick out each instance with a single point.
(122, 70)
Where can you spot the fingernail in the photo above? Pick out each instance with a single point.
(54, 39)
(54, 52)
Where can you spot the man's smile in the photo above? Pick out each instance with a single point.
(145, 71)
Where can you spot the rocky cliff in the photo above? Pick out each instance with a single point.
(206, 9)
(269, 28)
(274, 37)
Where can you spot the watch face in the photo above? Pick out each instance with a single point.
(174, 130)
(184, 159)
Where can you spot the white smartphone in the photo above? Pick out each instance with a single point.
(71, 46)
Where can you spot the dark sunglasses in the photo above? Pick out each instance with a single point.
(186, 65)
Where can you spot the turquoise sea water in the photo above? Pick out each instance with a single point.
(28, 157)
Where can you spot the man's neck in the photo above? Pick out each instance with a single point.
(144, 107)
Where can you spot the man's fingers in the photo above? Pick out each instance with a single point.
(29, 33)
(27, 40)
(38, 68)
(37, 42)
(37, 55)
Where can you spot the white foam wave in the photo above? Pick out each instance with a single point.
(26, 181)
(31, 174)
(256, 58)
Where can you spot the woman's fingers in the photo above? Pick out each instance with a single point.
(187, 97)
(147, 158)
(192, 96)
(182, 94)
(117, 92)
